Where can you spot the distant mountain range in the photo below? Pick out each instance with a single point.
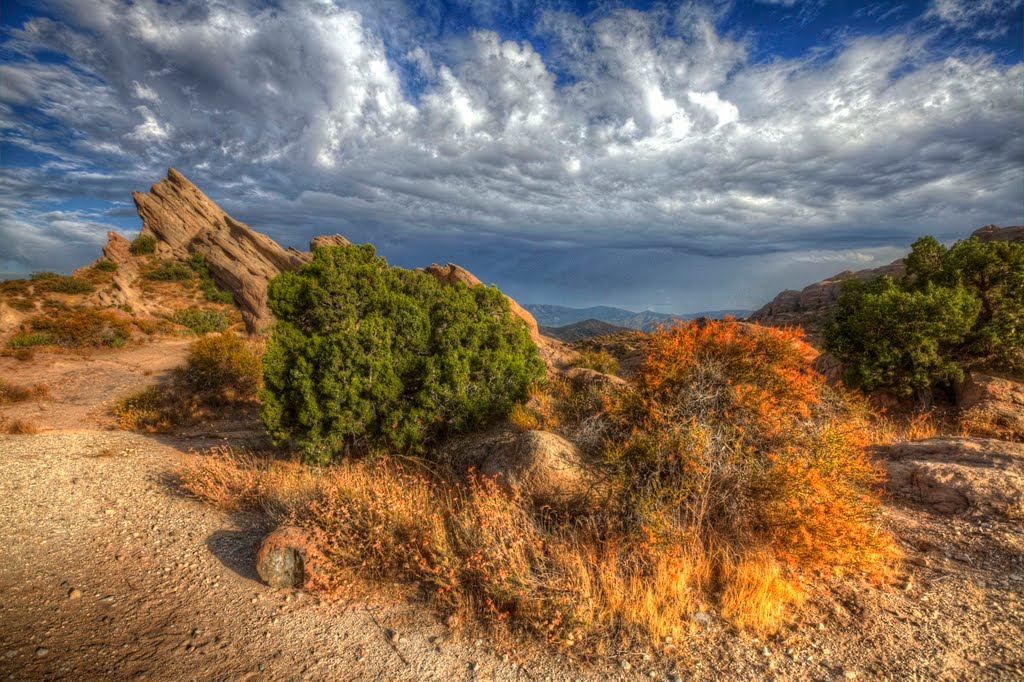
(559, 316)
(578, 331)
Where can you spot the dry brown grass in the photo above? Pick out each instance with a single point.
(735, 475)
(18, 427)
(479, 552)
(15, 393)
(898, 428)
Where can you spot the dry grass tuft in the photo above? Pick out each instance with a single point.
(15, 393)
(18, 427)
(221, 371)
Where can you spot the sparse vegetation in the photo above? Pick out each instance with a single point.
(76, 328)
(598, 360)
(368, 356)
(43, 275)
(200, 320)
(105, 266)
(21, 427)
(170, 271)
(30, 340)
(210, 290)
(67, 285)
(143, 245)
(221, 370)
(15, 393)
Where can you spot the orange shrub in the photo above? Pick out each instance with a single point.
(731, 436)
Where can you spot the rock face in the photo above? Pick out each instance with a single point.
(958, 475)
(991, 406)
(809, 306)
(241, 260)
(122, 290)
(284, 557)
(547, 468)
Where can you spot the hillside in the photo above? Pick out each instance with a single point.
(557, 316)
(578, 331)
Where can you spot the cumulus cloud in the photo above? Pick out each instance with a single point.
(638, 144)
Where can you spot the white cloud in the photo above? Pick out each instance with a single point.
(140, 91)
(634, 131)
(985, 18)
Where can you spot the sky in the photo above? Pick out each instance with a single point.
(676, 157)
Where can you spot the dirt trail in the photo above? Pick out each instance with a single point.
(83, 387)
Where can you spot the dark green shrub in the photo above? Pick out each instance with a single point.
(368, 356)
(105, 266)
(200, 320)
(66, 285)
(43, 275)
(957, 308)
(142, 245)
(29, 340)
(170, 271)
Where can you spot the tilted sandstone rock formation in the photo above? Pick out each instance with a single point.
(241, 260)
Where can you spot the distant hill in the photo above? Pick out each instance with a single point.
(560, 316)
(578, 331)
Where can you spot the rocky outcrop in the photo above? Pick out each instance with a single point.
(991, 406)
(994, 233)
(806, 307)
(241, 260)
(958, 475)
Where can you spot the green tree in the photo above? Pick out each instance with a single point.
(367, 356)
(904, 340)
(993, 272)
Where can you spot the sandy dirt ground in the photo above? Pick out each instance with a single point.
(110, 571)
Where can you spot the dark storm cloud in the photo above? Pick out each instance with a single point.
(643, 148)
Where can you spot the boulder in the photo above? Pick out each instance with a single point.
(957, 475)
(991, 406)
(284, 558)
(545, 467)
(328, 240)
(585, 377)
